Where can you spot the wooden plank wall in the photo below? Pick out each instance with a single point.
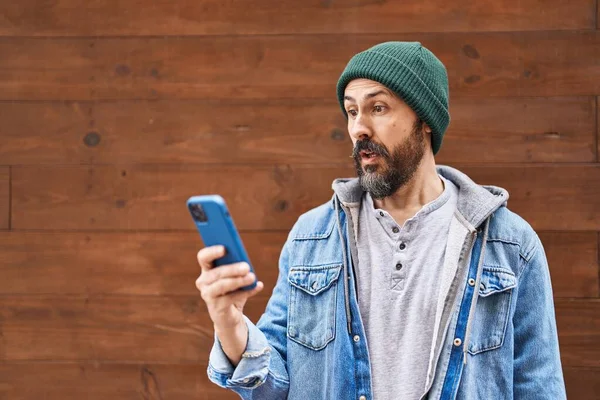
(112, 114)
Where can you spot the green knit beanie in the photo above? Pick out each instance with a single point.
(413, 72)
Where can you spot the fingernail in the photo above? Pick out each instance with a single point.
(245, 267)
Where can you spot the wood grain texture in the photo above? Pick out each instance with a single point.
(4, 198)
(145, 329)
(211, 17)
(150, 197)
(504, 130)
(177, 329)
(573, 262)
(549, 63)
(96, 381)
(550, 197)
(153, 196)
(579, 332)
(582, 383)
(160, 263)
(501, 130)
(164, 263)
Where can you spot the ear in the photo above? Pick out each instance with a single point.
(427, 128)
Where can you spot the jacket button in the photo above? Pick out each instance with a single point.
(482, 287)
(362, 398)
(315, 285)
(457, 342)
(471, 282)
(356, 338)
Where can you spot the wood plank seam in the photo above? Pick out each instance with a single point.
(597, 124)
(135, 296)
(9, 197)
(310, 164)
(243, 101)
(278, 35)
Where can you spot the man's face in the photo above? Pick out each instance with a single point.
(388, 137)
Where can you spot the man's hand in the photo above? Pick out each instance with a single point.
(219, 290)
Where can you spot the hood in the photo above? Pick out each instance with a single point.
(475, 202)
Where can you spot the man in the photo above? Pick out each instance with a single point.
(412, 282)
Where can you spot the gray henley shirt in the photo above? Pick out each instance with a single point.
(397, 280)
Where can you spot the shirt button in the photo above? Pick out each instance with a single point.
(457, 342)
(471, 282)
(399, 266)
(356, 338)
(362, 398)
(381, 213)
(395, 229)
(402, 246)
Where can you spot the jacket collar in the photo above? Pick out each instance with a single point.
(475, 202)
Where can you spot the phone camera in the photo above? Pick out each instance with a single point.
(198, 213)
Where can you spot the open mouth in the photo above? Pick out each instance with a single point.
(367, 155)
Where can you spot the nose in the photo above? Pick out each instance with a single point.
(359, 128)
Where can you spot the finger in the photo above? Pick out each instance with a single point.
(227, 285)
(225, 271)
(208, 255)
(246, 294)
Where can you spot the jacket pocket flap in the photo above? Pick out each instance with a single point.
(496, 280)
(314, 280)
(314, 231)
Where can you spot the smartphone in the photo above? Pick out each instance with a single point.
(216, 227)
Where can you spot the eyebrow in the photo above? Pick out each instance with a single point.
(368, 95)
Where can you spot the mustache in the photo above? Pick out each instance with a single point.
(370, 146)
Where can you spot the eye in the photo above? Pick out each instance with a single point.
(379, 108)
(352, 112)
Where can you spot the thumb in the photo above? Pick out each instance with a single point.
(259, 287)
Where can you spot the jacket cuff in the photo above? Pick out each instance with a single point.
(252, 369)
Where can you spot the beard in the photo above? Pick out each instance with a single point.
(394, 169)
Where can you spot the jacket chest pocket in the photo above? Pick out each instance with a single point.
(493, 309)
(312, 304)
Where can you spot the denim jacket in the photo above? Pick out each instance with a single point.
(495, 330)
